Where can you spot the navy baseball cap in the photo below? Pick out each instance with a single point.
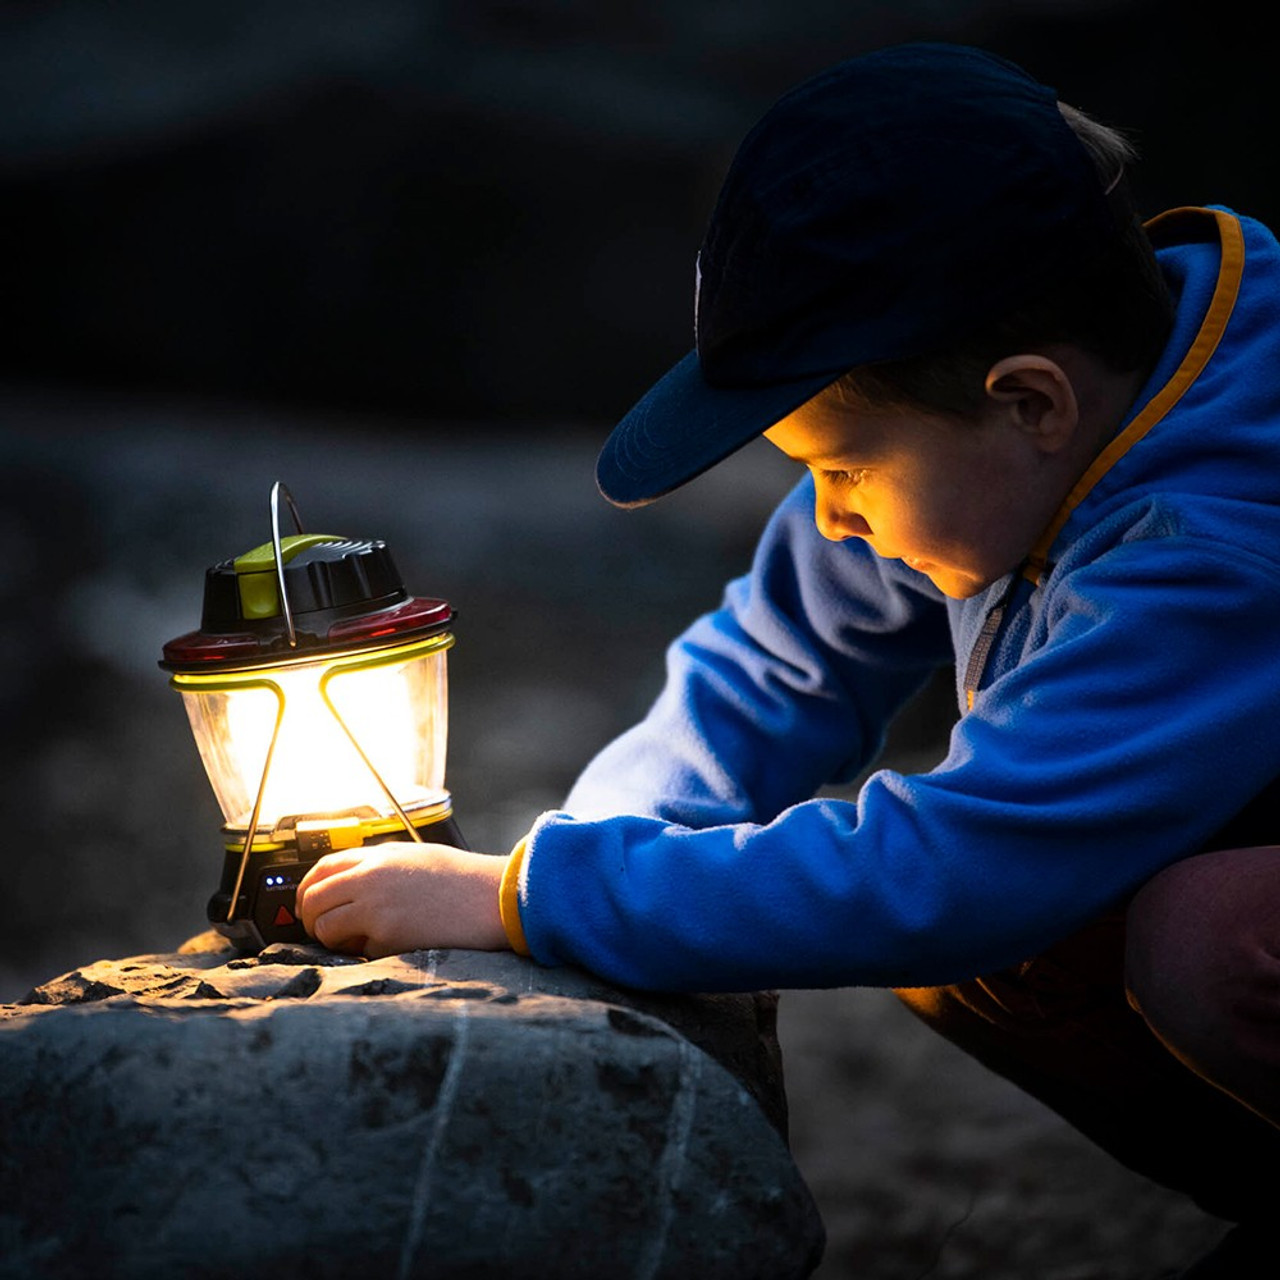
(877, 211)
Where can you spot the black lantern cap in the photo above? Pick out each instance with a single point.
(331, 576)
(340, 593)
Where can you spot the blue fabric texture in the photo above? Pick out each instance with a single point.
(1130, 706)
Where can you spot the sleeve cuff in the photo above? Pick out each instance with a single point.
(509, 900)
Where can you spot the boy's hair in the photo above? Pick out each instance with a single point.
(1117, 307)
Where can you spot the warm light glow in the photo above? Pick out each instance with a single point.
(393, 706)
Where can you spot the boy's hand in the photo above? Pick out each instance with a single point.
(388, 898)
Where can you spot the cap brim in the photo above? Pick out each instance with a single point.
(683, 426)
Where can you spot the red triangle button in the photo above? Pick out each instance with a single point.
(284, 916)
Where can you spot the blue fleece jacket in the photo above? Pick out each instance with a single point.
(1130, 705)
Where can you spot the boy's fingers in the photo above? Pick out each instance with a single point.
(330, 864)
(339, 929)
(314, 897)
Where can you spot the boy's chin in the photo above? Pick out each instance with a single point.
(954, 583)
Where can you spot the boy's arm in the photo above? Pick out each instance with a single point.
(1147, 716)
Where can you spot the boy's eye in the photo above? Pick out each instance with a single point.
(849, 478)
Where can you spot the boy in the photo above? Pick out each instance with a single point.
(1034, 449)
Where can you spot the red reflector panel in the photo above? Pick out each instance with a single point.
(198, 646)
(415, 614)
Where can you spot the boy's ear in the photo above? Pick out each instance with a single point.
(1039, 396)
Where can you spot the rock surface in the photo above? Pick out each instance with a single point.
(440, 1113)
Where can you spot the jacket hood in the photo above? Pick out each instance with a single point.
(1207, 422)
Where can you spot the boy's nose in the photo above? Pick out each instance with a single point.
(836, 522)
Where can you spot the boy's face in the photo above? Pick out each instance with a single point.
(961, 501)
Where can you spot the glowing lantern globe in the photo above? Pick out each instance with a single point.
(316, 688)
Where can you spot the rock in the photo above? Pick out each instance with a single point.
(440, 1113)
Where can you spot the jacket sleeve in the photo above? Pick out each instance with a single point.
(787, 686)
(1145, 715)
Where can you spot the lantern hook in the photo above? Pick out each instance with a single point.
(279, 491)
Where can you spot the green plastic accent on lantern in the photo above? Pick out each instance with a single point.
(256, 572)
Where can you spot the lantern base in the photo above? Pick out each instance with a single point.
(264, 909)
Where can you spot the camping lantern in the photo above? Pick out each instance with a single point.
(316, 689)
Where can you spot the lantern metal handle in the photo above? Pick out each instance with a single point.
(279, 491)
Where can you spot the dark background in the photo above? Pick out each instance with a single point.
(477, 209)
(413, 259)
